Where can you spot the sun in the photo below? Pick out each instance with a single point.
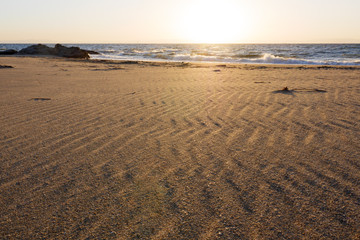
(213, 21)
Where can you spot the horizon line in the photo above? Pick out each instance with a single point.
(181, 43)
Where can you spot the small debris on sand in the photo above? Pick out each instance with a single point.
(39, 99)
(107, 69)
(6, 66)
(287, 90)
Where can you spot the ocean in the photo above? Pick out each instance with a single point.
(304, 54)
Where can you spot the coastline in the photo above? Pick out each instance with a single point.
(101, 148)
(303, 54)
(193, 64)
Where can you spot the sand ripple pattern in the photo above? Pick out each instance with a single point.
(178, 152)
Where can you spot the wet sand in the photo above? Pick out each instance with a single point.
(107, 150)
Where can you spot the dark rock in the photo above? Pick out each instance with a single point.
(8, 52)
(38, 49)
(71, 52)
(59, 50)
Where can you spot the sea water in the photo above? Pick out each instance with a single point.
(305, 54)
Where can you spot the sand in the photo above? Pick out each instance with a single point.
(102, 150)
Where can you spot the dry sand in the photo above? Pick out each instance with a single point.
(100, 150)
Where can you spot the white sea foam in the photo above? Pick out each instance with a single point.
(265, 59)
(304, 54)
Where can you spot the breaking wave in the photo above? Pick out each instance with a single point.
(201, 57)
(304, 54)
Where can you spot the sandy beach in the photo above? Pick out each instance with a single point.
(145, 150)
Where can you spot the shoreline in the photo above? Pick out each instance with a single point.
(298, 54)
(194, 63)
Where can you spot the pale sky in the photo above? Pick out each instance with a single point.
(181, 21)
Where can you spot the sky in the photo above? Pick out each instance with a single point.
(180, 21)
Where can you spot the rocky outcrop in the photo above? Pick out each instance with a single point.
(8, 52)
(38, 49)
(71, 52)
(58, 50)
